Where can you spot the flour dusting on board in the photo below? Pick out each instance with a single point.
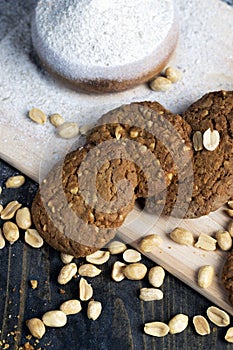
(204, 55)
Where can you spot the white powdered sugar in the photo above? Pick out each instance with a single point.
(204, 56)
(115, 40)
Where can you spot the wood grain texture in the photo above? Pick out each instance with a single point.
(121, 324)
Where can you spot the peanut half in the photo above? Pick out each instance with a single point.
(205, 276)
(88, 270)
(67, 273)
(150, 294)
(54, 318)
(156, 276)
(149, 242)
(94, 309)
(211, 139)
(117, 271)
(131, 256)
(201, 325)
(71, 307)
(160, 84)
(36, 327)
(56, 120)
(15, 181)
(156, 329)
(224, 240)
(116, 247)
(37, 116)
(229, 335)
(33, 238)
(174, 75)
(10, 231)
(23, 218)
(206, 242)
(9, 211)
(135, 271)
(2, 240)
(98, 258)
(182, 236)
(230, 228)
(85, 290)
(68, 130)
(66, 258)
(178, 323)
(218, 316)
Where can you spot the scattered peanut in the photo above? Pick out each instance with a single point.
(178, 323)
(149, 242)
(10, 231)
(201, 325)
(36, 327)
(229, 335)
(37, 116)
(206, 242)
(33, 238)
(94, 309)
(156, 276)
(156, 329)
(117, 271)
(15, 181)
(56, 120)
(230, 228)
(160, 84)
(224, 240)
(66, 258)
(54, 318)
(230, 204)
(34, 284)
(88, 270)
(98, 258)
(9, 211)
(116, 247)
(149, 294)
(85, 290)
(211, 139)
(67, 273)
(197, 141)
(135, 271)
(182, 236)
(2, 240)
(71, 307)
(218, 316)
(205, 276)
(23, 218)
(68, 130)
(174, 75)
(131, 256)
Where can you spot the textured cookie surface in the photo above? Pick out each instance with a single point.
(82, 200)
(162, 139)
(213, 170)
(227, 276)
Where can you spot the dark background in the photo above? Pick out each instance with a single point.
(120, 326)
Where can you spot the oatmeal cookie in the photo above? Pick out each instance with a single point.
(84, 198)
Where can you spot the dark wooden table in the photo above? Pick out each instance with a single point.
(120, 326)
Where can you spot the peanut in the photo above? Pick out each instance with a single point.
(131, 256)
(218, 316)
(178, 323)
(149, 294)
(94, 309)
(117, 271)
(116, 247)
(71, 307)
(54, 318)
(67, 273)
(36, 327)
(224, 240)
(156, 276)
(205, 276)
(135, 271)
(88, 270)
(201, 325)
(182, 236)
(149, 242)
(156, 329)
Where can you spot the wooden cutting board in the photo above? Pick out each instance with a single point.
(181, 261)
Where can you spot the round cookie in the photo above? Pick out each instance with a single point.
(212, 170)
(80, 203)
(227, 276)
(104, 46)
(164, 136)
